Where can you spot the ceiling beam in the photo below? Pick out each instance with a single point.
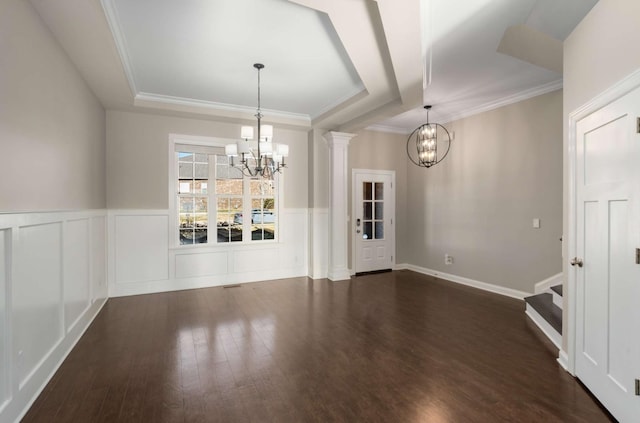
(402, 32)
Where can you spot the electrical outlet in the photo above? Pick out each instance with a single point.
(448, 259)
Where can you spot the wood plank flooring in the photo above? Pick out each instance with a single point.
(391, 347)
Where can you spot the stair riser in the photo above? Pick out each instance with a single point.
(557, 299)
(544, 326)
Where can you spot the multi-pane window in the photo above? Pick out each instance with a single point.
(372, 213)
(263, 214)
(217, 204)
(229, 201)
(193, 210)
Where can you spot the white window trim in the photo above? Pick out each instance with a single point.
(174, 242)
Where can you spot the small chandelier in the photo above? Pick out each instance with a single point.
(261, 157)
(427, 153)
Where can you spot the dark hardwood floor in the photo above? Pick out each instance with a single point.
(391, 347)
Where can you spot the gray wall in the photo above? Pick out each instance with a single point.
(138, 158)
(503, 170)
(382, 151)
(601, 51)
(52, 127)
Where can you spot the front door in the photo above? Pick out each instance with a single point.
(373, 210)
(606, 268)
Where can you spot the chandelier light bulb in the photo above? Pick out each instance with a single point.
(423, 147)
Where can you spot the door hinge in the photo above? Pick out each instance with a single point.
(637, 255)
(638, 125)
(638, 387)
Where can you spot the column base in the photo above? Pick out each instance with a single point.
(339, 275)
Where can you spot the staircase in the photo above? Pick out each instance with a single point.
(545, 310)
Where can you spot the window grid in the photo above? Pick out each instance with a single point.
(373, 210)
(193, 212)
(229, 192)
(217, 204)
(263, 214)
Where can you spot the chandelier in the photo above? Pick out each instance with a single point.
(429, 148)
(259, 157)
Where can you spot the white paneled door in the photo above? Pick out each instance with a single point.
(607, 354)
(373, 223)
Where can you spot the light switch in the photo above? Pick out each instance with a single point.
(536, 223)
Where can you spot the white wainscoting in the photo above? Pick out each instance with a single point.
(319, 251)
(141, 261)
(52, 285)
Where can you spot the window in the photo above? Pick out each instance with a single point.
(215, 204)
(229, 201)
(193, 181)
(263, 217)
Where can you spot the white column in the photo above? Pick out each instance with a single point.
(338, 228)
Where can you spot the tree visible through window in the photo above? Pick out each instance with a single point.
(217, 204)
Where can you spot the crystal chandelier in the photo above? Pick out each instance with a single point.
(261, 157)
(429, 149)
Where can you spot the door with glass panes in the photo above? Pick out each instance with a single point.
(373, 220)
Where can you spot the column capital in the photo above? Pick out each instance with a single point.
(335, 138)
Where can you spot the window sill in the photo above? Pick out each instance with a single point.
(225, 246)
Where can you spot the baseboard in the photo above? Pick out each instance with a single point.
(563, 360)
(496, 289)
(546, 284)
(169, 285)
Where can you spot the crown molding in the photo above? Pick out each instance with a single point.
(505, 101)
(121, 45)
(147, 100)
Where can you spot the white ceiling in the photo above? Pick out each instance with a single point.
(203, 50)
(333, 64)
(468, 74)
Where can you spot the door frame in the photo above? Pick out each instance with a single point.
(618, 90)
(391, 173)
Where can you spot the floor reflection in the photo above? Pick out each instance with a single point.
(395, 347)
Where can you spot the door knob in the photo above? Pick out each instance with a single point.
(576, 261)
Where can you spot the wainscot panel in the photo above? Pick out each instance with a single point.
(141, 246)
(319, 259)
(47, 263)
(198, 266)
(77, 281)
(37, 304)
(5, 343)
(201, 264)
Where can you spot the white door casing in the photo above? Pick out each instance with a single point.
(607, 233)
(373, 223)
